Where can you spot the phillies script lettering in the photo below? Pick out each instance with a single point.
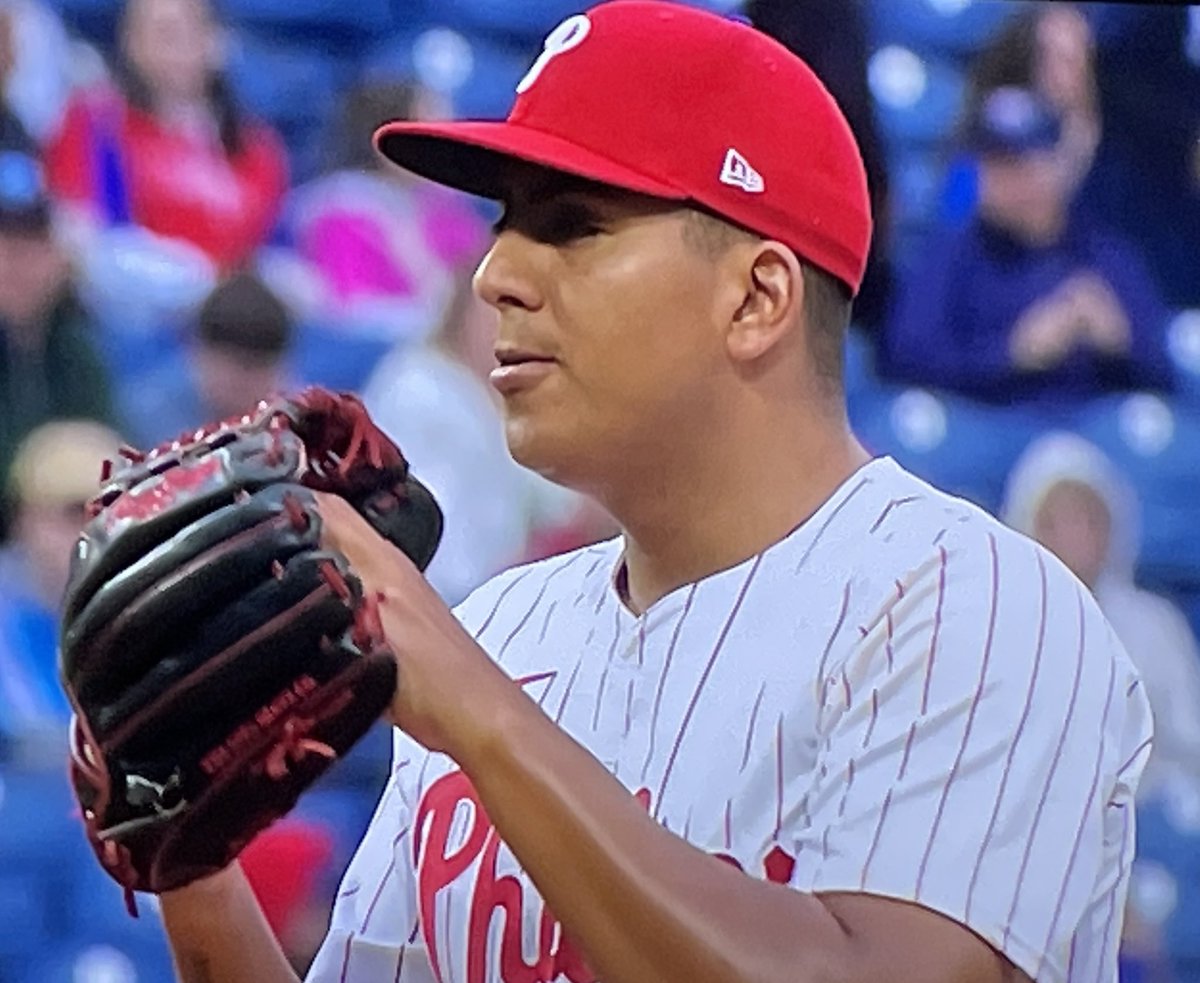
(438, 867)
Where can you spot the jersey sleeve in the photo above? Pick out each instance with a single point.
(374, 933)
(979, 752)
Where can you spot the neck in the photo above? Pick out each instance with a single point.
(728, 500)
(1046, 232)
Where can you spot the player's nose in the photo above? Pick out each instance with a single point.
(505, 277)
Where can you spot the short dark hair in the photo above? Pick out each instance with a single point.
(243, 313)
(827, 300)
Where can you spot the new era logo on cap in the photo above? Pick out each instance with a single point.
(736, 171)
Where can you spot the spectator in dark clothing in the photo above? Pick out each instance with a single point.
(48, 366)
(1028, 301)
(831, 36)
(1146, 179)
(1050, 49)
(236, 356)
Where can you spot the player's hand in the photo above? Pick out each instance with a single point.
(449, 689)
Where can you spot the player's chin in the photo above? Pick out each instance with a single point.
(537, 444)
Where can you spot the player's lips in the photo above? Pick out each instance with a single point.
(520, 368)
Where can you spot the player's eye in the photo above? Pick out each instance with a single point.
(555, 224)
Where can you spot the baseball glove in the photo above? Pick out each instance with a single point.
(216, 657)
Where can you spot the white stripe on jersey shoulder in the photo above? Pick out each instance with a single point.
(486, 602)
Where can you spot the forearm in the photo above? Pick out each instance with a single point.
(218, 933)
(639, 902)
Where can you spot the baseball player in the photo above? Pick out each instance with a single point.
(808, 718)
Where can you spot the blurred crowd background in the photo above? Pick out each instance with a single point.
(191, 216)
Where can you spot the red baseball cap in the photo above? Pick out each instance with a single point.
(681, 104)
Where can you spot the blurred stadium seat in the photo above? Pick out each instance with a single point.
(335, 359)
(317, 18)
(479, 75)
(1183, 343)
(530, 20)
(1166, 882)
(293, 85)
(95, 957)
(917, 98)
(951, 27)
(967, 448)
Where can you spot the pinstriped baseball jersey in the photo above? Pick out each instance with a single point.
(901, 697)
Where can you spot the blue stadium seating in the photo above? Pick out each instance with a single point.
(1167, 838)
(917, 98)
(1183, 342)
(529, 20)
(313, 17)
(335, 359)
(951, 27)
(292, 84)
(101, 957)
(482, 83)
(963, 447)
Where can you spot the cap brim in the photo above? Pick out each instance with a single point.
(470, 156)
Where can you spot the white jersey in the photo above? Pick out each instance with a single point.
(902, 697)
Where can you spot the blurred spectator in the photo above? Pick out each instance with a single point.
(236, 356)
(1146, 180)
(1049, 49)
(1030, 300)
(287, 865)
(831, 36)
(48, 366)
(36, 69)
(169, 149)
(1067, 495)
(55, 472)
(386, 245)
(443, 416)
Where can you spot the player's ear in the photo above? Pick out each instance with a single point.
(772, 293)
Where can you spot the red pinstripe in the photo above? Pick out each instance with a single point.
(1062, 737)
(1122, 867)
(862, 483)
(975, 699)
(937, 629)
(874, 717)
(894, 503)
(778, 778)
(1012, 747)
(712, 659)
(662, 679)
(837, 628)
(750, 728)
(500, 600)
(887, 801)
(607, 666)
(1062, 892)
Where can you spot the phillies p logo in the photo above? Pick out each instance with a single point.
(567, 36)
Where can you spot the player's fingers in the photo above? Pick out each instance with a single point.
(379, 564)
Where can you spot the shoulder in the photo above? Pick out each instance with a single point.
(955, 554)
(517, 592)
